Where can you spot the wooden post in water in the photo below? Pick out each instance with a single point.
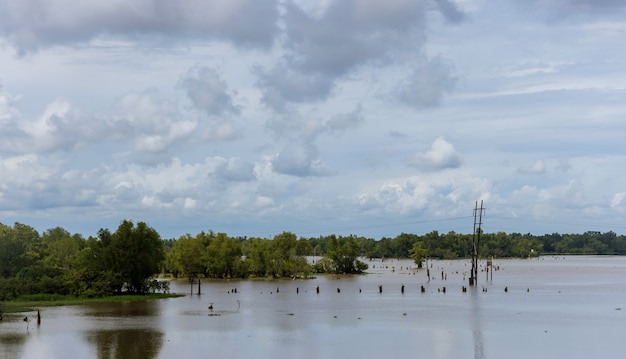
(198, 285)
(478, 221)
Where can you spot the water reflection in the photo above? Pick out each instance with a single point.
(11, 343)
(477, 325)
(126, 343)
(557, 317)
(124, 309)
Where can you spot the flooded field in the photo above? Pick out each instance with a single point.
(566, 307)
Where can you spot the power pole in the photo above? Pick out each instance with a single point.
(478, 221)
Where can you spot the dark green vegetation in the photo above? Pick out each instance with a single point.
(57, 263)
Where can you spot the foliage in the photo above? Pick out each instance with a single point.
(58, 263)
(343, 252)
(135, 253)
(418, 253)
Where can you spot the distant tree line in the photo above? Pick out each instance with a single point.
(127, 260)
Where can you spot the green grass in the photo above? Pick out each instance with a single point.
(28, 302)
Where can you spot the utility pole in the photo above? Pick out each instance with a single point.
(478, 221)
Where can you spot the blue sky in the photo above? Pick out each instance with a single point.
(350, 117)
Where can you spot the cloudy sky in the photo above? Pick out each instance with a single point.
(358, 117)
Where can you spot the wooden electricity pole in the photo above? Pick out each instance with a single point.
(478, 221)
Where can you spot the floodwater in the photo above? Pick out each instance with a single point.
(554, 307)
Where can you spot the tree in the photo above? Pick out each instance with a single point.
(343, 252)
(10, 253)
(418, 253)
(284, 254)
(61, 247)
(258, 255)
(135, 254)
(224, 257)
(189, 255)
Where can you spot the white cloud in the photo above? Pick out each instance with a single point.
(539, 167)
(441, 155)
(249, 114)
(617, 199)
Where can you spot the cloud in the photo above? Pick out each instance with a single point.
(32, 183)
(33, 24)
(296, 126)
(617, 199)
(282, 85)
(60, 127)
(207, 92)
(7, 109)
(539, 167)
(235, 169)
(397, 134)
(345, 121)
(428, 82)
(143, 121)
(564, 165)
(441, 155)
(450, 11)
(573, 9)
(438, 196)
(299, 160)
(328, 42)
(222, 130)
(152, 125)
(350, 33)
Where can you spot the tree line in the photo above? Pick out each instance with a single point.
(129, 259)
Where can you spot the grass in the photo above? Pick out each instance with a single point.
(28, 302)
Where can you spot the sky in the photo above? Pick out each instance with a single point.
(364, 117)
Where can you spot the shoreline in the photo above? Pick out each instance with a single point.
(21, 306)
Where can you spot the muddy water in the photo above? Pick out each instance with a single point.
(566, 307)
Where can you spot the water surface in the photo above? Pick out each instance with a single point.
(567, 307)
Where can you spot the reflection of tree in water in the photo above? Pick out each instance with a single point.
(127, 343)
(125, 309)
(477, 330)
(11, 343)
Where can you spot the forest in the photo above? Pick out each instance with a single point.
(134, 256)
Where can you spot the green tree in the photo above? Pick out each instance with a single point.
(418, 253)
(259, 256)
(224, 257)
(525, 247)
(10, 253)
(135, 254)
(61, 248)
(189, 255)
(344, 253)
(284, 254)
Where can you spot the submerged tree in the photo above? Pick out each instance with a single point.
(134, 253)
(344, 253)
(418, 253)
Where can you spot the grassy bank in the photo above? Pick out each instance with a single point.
(31, 302)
